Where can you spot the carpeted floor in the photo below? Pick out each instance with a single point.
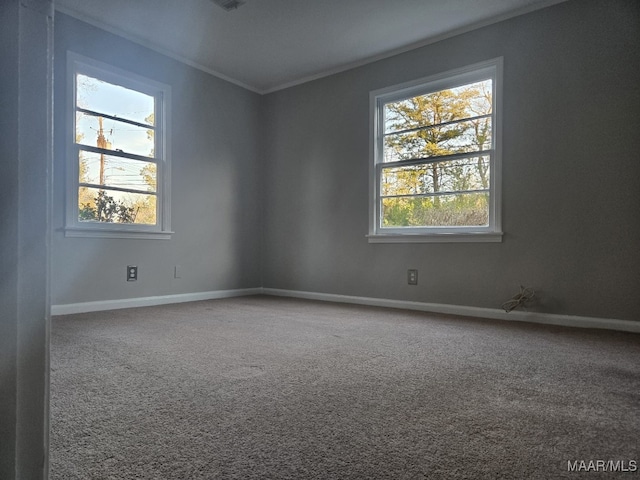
(272, 388)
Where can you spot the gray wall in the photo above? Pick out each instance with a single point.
(292, 167)
(571, 175)
(25, 186)
(215, 185)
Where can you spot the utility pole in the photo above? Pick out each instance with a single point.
(102, 143)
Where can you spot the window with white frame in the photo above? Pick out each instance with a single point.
(118, 153)
(435, 172)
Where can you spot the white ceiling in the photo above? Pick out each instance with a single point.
(266, 45)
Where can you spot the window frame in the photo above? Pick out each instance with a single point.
(79, 64)
(490, 69)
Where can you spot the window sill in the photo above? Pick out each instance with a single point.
(480, 237)
(116, 233)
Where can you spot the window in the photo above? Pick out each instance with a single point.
(436, 159)
(118, 153)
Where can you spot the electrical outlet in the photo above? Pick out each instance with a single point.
(177, 271)
(412, 277)
(132, 273)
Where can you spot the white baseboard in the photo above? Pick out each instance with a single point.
(492, 313)
(498, 314)
(149, 301)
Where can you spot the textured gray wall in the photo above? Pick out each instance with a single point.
(215, 185)
(9, 91)
(571, 175)
(25, 185)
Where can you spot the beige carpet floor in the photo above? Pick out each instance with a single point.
(271, 388)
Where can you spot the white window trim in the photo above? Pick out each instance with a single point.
(491, 233)
(75, 228)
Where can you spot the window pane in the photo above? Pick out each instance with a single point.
(112, 206)
(454, 175)
(439, 107)
(99, 96)
(117, 172)
(459, 137)
(463, 210)
(114, 135)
